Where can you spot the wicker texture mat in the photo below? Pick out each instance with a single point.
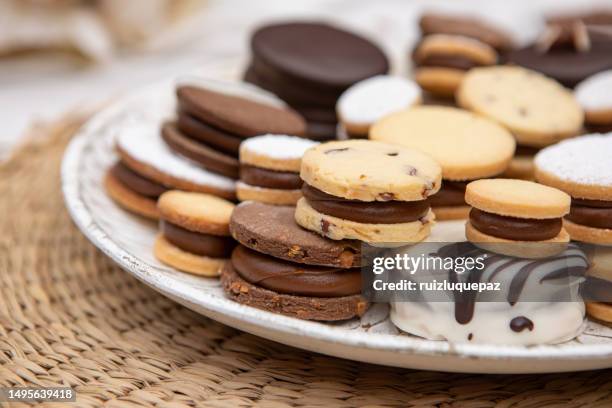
(69, 316)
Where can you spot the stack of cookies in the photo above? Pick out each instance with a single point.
(467, 147)
(270, 169)
(282, 268)
(536, 109)
(309, 65)
(214, 117)
(595, 97)
(147, 168)
(369, 191)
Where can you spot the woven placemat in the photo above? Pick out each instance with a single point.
(70, 317)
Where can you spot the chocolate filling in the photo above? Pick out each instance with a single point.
(516, 229)
(529, 151)
(376, 212)
(136, 182)
(196, 242)
(257, 176)
(592, 213)
(447, 61)
(217, 138)
(451, 194)
(295, 279)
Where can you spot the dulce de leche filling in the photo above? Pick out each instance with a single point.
(260, 177)
(515, 229)
(374, 212)
(592, 213)
(196, 242)
(295, 279)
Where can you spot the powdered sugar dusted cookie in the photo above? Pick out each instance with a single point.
(275, 152)
(595, 97)
(371, 99)
(142, 149)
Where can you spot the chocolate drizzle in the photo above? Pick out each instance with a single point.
(520, 323)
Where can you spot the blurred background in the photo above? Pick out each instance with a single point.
(58, 56)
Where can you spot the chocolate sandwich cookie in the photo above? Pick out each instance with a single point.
(269, 169)
(467, 147)
(142, 150)
(517, 217)
(536, 109)
(369, 191)
(200, 153)
(441, 61)
(582, 168)
(132, 191)
(297, 290)
(194, 232)
(467, 26)
(595, 98)
(216, 138)
(367, 101)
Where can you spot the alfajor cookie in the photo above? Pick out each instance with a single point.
(441, 60)
(369, 191)
(367, 101)
(269, 169)
(582, 168)
(517, 217)
(194, 232)
(467, 147)
(594, 96)
(536, 109)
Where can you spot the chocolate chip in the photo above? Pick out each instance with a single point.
(392, 154)
(325, 226)
(386, 196)
(411, 170)
(344, 149)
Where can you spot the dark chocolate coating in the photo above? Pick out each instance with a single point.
(217, 138)
(196, 242)
(388, 212)
(516, 229)
(205, 156)
(260, 177)
(295, 279)
(137, 183)
(318, 54)
(272, 230)
(452, 193)
(591, 203)
(596, 217)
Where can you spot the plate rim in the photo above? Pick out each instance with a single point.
(79, 212)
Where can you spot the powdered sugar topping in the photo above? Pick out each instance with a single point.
(278, 146)
(369, 100)
(143, 142)
(594, 93)
(584, 160)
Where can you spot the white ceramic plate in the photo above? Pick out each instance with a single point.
(128, 241)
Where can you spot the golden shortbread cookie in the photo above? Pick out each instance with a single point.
(520, 167)
(246, 192)
(465, 145)
(275, 152)
(196, 211)
(520, 249)
(584, 233)
(130, 200)
(517, 198)
(600, 311)
(371, 171)
(456, 46)
(535, 108)
(441, 81)
(184, 261)
(338, 229)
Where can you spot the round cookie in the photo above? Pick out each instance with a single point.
(440, 81)
(536, 109)
(372, 233)
(392, 172)
(296, 51)
(596, 100)
(142, 149)
(367, 101)
(465, 145)
(456, 46)
(272, 230)
(194, 232)
(128, 199)
(216, 138)
(275, 152)
(208, 158)
(247, 192)
(238, 115)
